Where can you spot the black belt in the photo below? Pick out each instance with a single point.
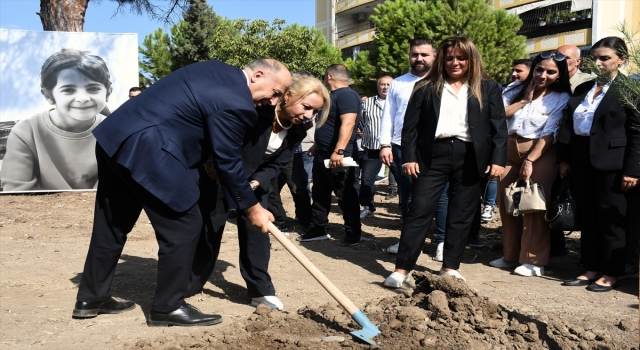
(448, 139)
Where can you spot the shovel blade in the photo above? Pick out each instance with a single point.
(368, 331)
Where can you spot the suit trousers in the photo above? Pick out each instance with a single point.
(254, 247)
(602, 208)
(119, 202)
(343, 184)
(526, 238)
(453, 162)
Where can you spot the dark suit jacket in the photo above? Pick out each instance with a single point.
(614, 139)
(488, 128)
(165, 134)
(264, 167)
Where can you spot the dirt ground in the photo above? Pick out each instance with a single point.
(44, 240)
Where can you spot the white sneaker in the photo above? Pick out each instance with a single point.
(396, 279)
(393, 249)
(503, 264)
(487, 213)
(270, 300)
(365, 213)
(529, 270)
(453, 273)
(439, 252)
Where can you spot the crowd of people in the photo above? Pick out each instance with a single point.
(191, 152)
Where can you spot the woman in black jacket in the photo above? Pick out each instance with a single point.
(454, 132)
(600, 148)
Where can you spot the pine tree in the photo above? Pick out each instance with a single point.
(192, 37)
(156, 59)
(397, 22)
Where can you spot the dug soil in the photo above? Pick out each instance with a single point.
(44, 240)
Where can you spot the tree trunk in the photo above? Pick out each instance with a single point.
(63, 15)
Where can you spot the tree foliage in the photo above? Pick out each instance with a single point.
(298, 47)
(193, 36)
(203, 35)
(156, 61)
(397, 22)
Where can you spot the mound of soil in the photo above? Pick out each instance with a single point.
(440, 313)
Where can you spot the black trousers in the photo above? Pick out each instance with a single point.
(453, 162)
(119, 201)
(602, 208)
(254, 245)
(343, 184)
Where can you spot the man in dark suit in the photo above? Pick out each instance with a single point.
(149, 153)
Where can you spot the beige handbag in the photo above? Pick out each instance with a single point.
(524, 199)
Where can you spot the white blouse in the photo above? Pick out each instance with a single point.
(275, 141)
(454, 119)
(538, 118)
(583, 115)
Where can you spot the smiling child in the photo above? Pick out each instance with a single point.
(55, 149)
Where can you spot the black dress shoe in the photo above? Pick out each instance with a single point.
(186, 316)
(110, 306)
(578, 283)
(594, 287)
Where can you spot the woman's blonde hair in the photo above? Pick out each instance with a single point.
(303, 86)
(475, 74)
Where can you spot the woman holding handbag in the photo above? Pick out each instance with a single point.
(534, 110)
(602, 153)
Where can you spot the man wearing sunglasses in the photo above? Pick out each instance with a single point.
(572, 55)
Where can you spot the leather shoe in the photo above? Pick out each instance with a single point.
(110, 306)
(594, 287)
(186, 316)
(578, 282)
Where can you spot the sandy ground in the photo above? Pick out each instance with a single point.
(44, 240)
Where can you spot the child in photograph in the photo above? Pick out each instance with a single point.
(55, 149)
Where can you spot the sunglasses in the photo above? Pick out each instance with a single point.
(556, 56)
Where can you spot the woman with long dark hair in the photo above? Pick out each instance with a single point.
(602, 154)
(534, 111)
(454, 132)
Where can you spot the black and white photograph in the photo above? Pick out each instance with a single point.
(57, 87)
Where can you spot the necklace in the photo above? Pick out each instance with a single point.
(282, 126)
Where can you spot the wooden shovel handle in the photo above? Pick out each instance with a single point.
(313, 270)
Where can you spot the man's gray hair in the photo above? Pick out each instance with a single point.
(338, 72)
(266, 64)
(384, 76)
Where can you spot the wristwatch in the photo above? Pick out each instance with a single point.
(339, 151)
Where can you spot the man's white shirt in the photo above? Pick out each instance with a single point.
(393, 113)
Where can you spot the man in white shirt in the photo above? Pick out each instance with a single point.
(421, 57)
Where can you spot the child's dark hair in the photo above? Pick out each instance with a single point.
(94, 67)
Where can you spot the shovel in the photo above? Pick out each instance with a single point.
(369, 330)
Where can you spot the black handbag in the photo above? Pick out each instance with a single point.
(562, 213)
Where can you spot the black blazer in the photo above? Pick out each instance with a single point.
(614, 139)
(264, 167)
(488, 127)
(164, 135)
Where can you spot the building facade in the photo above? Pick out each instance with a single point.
(547, 24)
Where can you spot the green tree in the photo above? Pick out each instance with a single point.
(397, 22)
(298, 47)
(156, 59)
(192, 37)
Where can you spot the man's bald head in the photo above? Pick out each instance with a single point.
(572, 53)
(268, 81)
